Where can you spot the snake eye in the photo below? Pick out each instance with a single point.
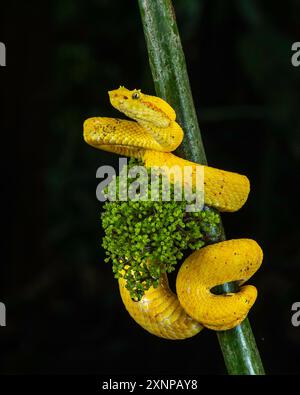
(135, 95)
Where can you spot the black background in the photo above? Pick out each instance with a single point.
(64, 313)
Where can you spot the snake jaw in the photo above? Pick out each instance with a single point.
(142, 108)
(122, 100)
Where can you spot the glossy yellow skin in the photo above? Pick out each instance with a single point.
(151, 137)
(160, 313)
(216, 264)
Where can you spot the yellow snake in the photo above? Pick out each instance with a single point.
(151, 137)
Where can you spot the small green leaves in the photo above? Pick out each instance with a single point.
(144, 239)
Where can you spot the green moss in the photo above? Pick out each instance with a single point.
(144, 239)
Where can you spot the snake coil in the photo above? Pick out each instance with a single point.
(151, 137)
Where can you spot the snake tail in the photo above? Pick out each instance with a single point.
(227, 261)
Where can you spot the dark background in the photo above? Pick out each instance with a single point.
(64, 313)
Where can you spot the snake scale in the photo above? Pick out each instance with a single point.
(151, 137)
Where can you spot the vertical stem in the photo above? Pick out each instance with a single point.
(171, 82)
(169, 72)
(240, 351)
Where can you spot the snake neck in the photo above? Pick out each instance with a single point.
(168, 138)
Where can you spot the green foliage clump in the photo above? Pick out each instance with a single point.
(145, 238)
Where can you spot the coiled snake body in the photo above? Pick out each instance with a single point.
(151, 137)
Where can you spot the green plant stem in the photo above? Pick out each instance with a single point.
(171, 82)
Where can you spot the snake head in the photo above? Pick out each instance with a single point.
(141, 107)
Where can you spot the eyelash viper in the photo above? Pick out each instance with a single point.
(152, 136)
